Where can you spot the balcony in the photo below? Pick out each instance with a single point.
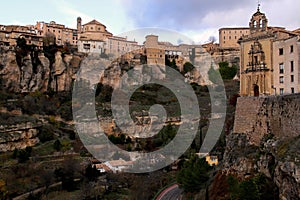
(256, 67)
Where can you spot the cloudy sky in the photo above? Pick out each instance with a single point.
(197, 19)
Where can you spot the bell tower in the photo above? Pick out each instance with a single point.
(79, 24)
(258, 22)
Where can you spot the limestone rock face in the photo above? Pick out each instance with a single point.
(9, 70)
(34, 72)
(266, 140)
(18, 136)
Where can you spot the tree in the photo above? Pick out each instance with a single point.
(21, 42)
(45, 133)
(212, 39)
(22, 154)
(213, 75)
(187, 67)
(49, 39)
(57, 145)
(256, 188)
(194, 174)
(91, 173)
(227, 72)
(3, 190)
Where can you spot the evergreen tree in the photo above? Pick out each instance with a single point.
(194, 175)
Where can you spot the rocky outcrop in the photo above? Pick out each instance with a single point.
(18, 136)
(276, 115)
(266, 139)
(9, 70)
(32, 71)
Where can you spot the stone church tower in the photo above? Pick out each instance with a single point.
(79, 25)
(256, 58)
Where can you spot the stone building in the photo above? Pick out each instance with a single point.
(94, 38)
(260, 60)
(10, 33)
(92, 30)
(228, 37)
(63, 34)
(154, 51)
(286, 65)
(117, 46)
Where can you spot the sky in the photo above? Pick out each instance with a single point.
(196, 19)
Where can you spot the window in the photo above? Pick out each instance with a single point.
(281, 51)
(292, 66)
(291, 48)
(224, 37)
(229, 37)
(281, 91)
(281, 68)
(281, 78)
(292, 90)
(292, 78)
(86, 46)
(255, 60)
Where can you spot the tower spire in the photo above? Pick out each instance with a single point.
(258, 5)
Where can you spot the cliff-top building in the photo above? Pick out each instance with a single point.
(269, 62)
(63, 35)
(94, 38)
(228, 37)
(10, 33)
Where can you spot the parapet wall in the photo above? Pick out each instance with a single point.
(277, 115)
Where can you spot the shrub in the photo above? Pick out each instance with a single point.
(45, 133)
(227, 72)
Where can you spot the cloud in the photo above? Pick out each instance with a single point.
(179, 15)
(200, 19)
(192, 15)
(70, 14)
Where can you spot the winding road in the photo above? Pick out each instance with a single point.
(171, 193)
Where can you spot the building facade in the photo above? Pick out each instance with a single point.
(228, 37)
(260, 61)
(94, 38)
(63, 35)
(286, 65)
(9, 35)
(116, 46)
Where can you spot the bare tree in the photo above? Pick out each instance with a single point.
(212, 38)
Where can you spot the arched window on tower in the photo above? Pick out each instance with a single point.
(260, 23)
(254, 24)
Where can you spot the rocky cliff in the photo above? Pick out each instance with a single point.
(30, 71)
(18, 136)
(266, 139)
